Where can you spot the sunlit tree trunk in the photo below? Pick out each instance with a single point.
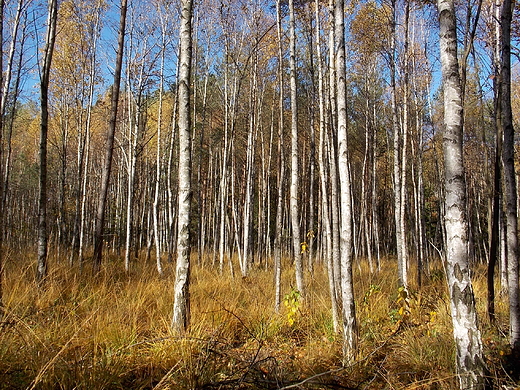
(281, 166)
(322, 155)
(135, 107)
(105, 180)
(332, 157)
(41, 272)
(181, 307)
(249, 183)
(508, 161)
(470, 363)
(403, 262)
(3, 93)
(169, 174)
(399, 148)
(294, 204)
(347, 285)
(496, 248)
(158, 160)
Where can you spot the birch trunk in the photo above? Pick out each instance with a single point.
(470, 363)
(333, 166)
(41, 272)
(281, 167)
(295, 220)
(134, 124)
(347, 286)
(105, 180)
(2, 92)
(327, 229)
(403, 262)
(181, 308)
(397, 146)
(508, 161)
(158, 161)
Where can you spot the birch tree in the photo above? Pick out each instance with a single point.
(182, 273)
(52, 18)
(327, 228)
(2, 93)
(109, 151)
(508, 161)
(398, 147)
(469, 359)
(295, 219)
(347, 285)
(281, 165)
(158, 160)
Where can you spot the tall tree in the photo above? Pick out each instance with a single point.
(181, 306)
(327, 228)
(2, 93)
(399, 147)
(295, 219)
(109, 151)
(347, 285)
(52, 17)
(281, 164)
(158, 160)
(470, 363)
(508, 161)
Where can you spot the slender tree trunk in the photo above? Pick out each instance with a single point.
(181, 307)
(105, 179)
(470, 363)
(364, 228)
(41, 272)
(332, 149)
(158, 161)
(327, 229)
(398, 147)
(3, 93)
(295, 220)
(249, 182)
(494, 249)
(281, 166)
(403, 262)
(169, 174)
(508, 161)
(85, 164)
(347, 285)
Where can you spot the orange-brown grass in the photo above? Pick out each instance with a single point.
(112, 331)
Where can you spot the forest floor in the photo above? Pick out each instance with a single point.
(113, 331)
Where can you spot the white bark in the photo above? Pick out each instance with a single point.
(158, 160)
(327, 230)
(50, 39)
(333, 167)
(470, 364)
(84, 179)
(347, 286)
(398, 155)
(508, 160)
(294, 204)
(281, 167)
(181, 310)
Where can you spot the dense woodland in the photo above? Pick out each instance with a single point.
(258, 149)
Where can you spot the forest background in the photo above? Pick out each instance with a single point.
(242, 221)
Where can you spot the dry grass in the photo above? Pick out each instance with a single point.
(112, 332)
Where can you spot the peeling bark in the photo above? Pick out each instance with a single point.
(470, 363)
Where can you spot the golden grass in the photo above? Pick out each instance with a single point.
(113, 331)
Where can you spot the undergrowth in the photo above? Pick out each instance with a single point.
(112, 331)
